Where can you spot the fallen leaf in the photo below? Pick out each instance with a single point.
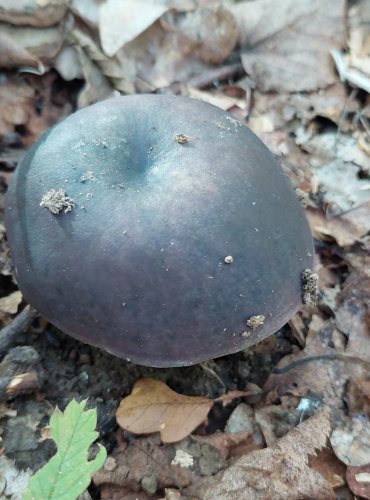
(349, 74)
(218, 99)
(329, 466)
(42, 44)
(280, 471)
(352, 316)
(341, 186)
(358, 396)
(120, 71)
(120, 22)
(67, 63)
(346, 229)
(230, 445)
(358, 40)
(97, 87)
(290, 50)
(87, 10)
(209, 33)
(13, 55)
(336, 350)
(15, 480)
(32, 12)
(153, 407)
(358, 479)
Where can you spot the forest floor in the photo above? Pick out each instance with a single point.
(300, 79)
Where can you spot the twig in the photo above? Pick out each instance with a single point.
(19, 324)
(207, 79)
(320, 357)
(350, 75)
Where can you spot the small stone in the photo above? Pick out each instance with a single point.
(110, 464)
(228, 259)
(242, 419)
(149, 484)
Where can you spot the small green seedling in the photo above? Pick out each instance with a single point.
(68, 472)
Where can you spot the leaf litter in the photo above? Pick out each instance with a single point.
(289, 78)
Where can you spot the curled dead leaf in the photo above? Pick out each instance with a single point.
(13, 55)
(209, 33)
(280, 471)
(358, 479)
(277, 55)
(121, 22)
(33, 12)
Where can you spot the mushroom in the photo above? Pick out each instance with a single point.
(119, 231)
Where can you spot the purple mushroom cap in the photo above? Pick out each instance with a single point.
(154, 227)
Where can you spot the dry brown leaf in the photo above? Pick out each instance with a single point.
(97, 87)
(336, 349)
(346, 229)
(327, 465)
(218, 99)
(87, 10)
(121, 22)
(121, 71)
(358, 396)
(341, 186)
(230, 445)
(358, 479)
(352, 316)
(278, 472)
(17, 105)
(33, 12)
(354, 66)
(289, 50)
(339, 168)
(156, 57)
(153, 407)
(13, 55)
(42, 44)
(322, 368)
(209, 33)
(67, 63)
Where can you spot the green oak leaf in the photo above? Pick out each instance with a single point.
(68, 473)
